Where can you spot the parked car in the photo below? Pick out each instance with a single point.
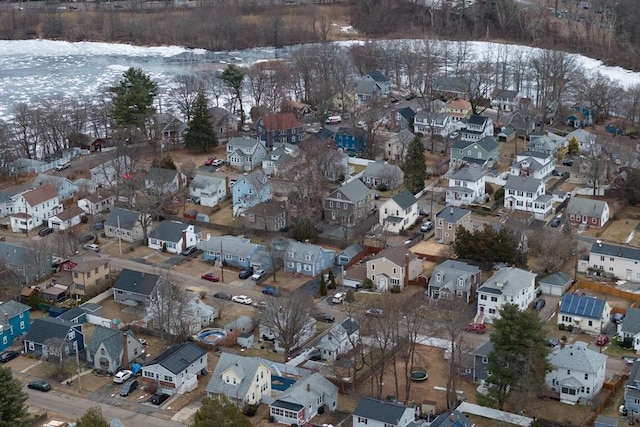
(62, 166)
(567, 162)
(86, 238)
(257, 275)
(338, 298)
(45, 231)
(423, 212)
(8, 355)
(539, 304)
(98, 226)
(242, 299)
(159, 398)
(223, 295)
(92, 247)
(189, 251)
(260, 305)
(39, 385)
(426, 227)
(478, 328)
(332, 120)
(271, 290)
(122, 376)
(374, 312)
(551, 342)
(210, 161)
(128, 388)
(326, 317)
(630, 360)
(602, 340)
(217, 162)
(210, 277)
(555, 222)
(245, 274)
(623, 411)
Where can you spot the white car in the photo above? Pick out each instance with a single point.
(242, 299)
(217, 162)
(122, 376)
(92, 247)
(257, 275)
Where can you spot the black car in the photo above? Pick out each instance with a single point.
(245, 274)
(8, 355)
(189, 251)
(551, 342)
(45, 231)
(540, 302)
(159, 398)
(326, 317)
(567, 162)
(222, 295)
(86, 238)
(555, 223)
(39, 385)
(128, 388)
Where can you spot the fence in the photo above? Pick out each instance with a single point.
(607, 290)
(609, 390)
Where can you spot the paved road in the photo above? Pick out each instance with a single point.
(74, 407)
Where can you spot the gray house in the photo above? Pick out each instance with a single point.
(480, 370)
(125, 224)
(302, 401)
(243, 380)
(630, 328)
(307, 259)
(236, 251)
(381, 173)
(348, 254)
(555, 284)
(25, 265)
(245, 153)
(454, 278)
(381, 413)
(483, 152)
(447, 222)
(349, 203)
(135, 287)
(111, 349)
(240, 325)
(163, 181)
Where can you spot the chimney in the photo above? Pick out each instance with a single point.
(308, 387)
(6, 318)
(452, 417)
(184, 240)
(451, 210)
(125, 349)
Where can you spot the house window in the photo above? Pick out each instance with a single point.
(483, 297)
(21, 325)
(568, 371)
(586, 376)
(168, 378)
(395, 270)
(330, 204)
(362, 420)
(373, 267)
(494, 299)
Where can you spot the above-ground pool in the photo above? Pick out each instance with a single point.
(211, 335)
(419, 375)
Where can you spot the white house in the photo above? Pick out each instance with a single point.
(96, 203)
(174, 236)
(176, 370)
(164, 181)
(535, 164)
(586, 140)
(304, 400)
(34, 208)
(630, 327)
(578, 373)
(382, 413)
(467, 186)
(426, 122)
(269, 333)
(524, 193)
(275, 160)
(476, 128)
(618, 261)
(507, 286)
(66, 219)
(339, 340)
(112, 171)
(208, 190)
(505, 99)
(245, 153)
(243, 380)
(586, 313)
(400, 212)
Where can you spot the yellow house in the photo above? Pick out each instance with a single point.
(88, 274)
(394, 266)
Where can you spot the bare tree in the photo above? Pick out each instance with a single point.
(169, 308)
(551, 248)
(184, 93)
(599, 93)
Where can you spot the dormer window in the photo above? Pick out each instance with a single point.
(338, 195)
(307, 257)
(439, 277)
(290, 255)
(461, 282)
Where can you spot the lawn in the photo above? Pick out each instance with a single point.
(619, 230)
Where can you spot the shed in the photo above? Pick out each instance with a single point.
(348, 254)
(240, 325)
(555, 284)
(245, 339)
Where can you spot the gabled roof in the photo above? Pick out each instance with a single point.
(298, 251)
(126, 218)
(365, 86)
(478, 120)
(452, 419)
(231, 245)
(111, 338)
(72, 314)
(399, 255)
(379, 410)
(504, 93)
(405, 199)
(47, 328)
(556, 279)
(350, 325)
(471, 173)
(70, 212)
(631, 321)
(450, 84)
(256, 179)
(161, 176)
(458, 104)
(203, 181)
(170, 231)
(577, 357)
(178, 357)
(352, 191)
(280, 121)
(608, 249)
(378, 76)
(581, 135)
(136, 281)
(267, 208)
(40, 194)
(243, 367)
(522, 183)
(484, 349)
(508, 281)
(487, 143)
(351, 250)
(404, 137)
(452, 214)
(379, 168)
(406, 112)
(307, 391)
(245, 145)
(586, 207)
(582, 305)
(11, 309)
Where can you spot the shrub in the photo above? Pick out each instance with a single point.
(367, 284)
(382, 187)
(350, 297)
(272, 418)
(563, 338)
(250, 410)
(562, 327)
(323, 286)
(499, 194)
(569, 328)
(395, 289)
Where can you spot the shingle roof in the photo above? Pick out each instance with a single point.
(406, 112)
(170, 231)
(615, 250)
(40, 194)
(128, 219)
(112, 339)
(72, 314)
(243, 367)
(245, 145)
(452, 419)
(351, 250)
(385, 412)
(586, 207)
(471, 173)
(178, 357)
(378, 76)
(70, 212)
(405, 199)
(631, 321)
(267, 208)
(204, 181)
(582, 305)
(382, 169)
(353, 191)
(48, 327)
(398, 255)
(365, 86)
(161, 176)
(522, 183)
(577, 357)
(12, 309)
(488, 144)
(508, 281)
(300, 250)
(231, 245)
(306, 391)
(280, 121)
(477, 120)
(452, 214)
(136, 281)
(556, 279)
(484, 349)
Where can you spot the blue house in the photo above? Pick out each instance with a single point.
(14, 322)
(351, 140)
(348, 254)
(250, 190)
(51, 336)
(66, 188)
(236, 252)
(580, 116)
(614, 130)
(307, 259)
(632, 389)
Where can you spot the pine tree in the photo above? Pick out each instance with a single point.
(415, 169)
(332, 280)
(133, 98)
(13, 412)
(323, 286)
(218, 411)
(93, 418)
(200, 134)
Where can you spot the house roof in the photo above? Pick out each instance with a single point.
(452, 214)
(607, 249)
(351, 250)
(399, 255)
(72, 314)
(161, 176)
(287, 405)
(11, 309)
(452, 419)
(381, 168)
(379, 410)
(350, 325)
(70, 212)
(353, 191)
(487, 143)
(357, 272)
(471, 173)
(586, 207)
(245, 145)
(365, 86)
(406, 112)
(170, 231)
(257, 179)
(508, 281)
(522, 183)
(126, 218)
(450, 84)
(306, 391)
(88, 263)
(556, 279)
(631, 321)
(112, 339)
(577, 357)
(231, 245)
(484, 349)
(581, 135)
(267, 208)
(477, 120)
(243, 367)
(451, 272)
(378, 76)
(178, 357)
(40, 194)
(297, 251)
(582, 305)
(529, 162)
(634, 378)
(204, 181)
(280, 121)
(405, 199)
(504, 93)
(46, 328)
(239, 323)
(137, 282)
(458, 104)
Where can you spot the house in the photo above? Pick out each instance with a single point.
(164, 181)
(200, 314)
(630, 327)
(366, 90)
(587, 213)
(27, 264)
(451, 87)
(269, 332)
(454, 278)
(355, 276)
(458, 109)
(305, 399)
(95, 203)
(66, 219)
(382, 174)
(478, 365)
(397, 144)
(53, 337)
(586, 140)
(535, 164)
(585, 313)
(15, 322)
(236, 251)
(351, 140)
(402, 118)
(243, 380)
(525, 193)
(88, 274)
(275, 161)
(477, 127)
(506, 100)
(484, 152)
(452, 419)
(168, 127)
(430, 123)
(578, 373)
(208, 190)
(174, 236)
(85, 185)
(240, 325)
(400, 212)
(548, 143)
(33, 208)
(344, 101)
(580, 116)
(380, 413)
(467, 186)
(339, 340)
(66, 189)
(124, 224)
(300, 109)
(270, 215)
(111, 349)
(555, 284)
(508, 285)
(110, 173)
(618, 261)
(100, 144)
(307, 259)
(135, 288)
(176, 370)
(349, 203)
(348, 254)
(393, 266)
(245, 154)
(180, 320)
(507, 134)
(381, 81)
(279, 128)
(224, 123)
(447, 222)
(250, 190)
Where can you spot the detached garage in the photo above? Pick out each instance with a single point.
(555, 284)
(67, 218)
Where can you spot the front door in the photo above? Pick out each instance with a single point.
(382, 283)
(629, 275)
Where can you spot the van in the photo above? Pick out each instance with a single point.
(62, 166)
(338, 298)
(332, 120)
(45, 231)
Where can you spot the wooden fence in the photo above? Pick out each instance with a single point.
(607, 290)
(609, 390)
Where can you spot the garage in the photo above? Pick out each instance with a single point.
(555, 284)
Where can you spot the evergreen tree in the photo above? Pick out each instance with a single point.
(233, 78)
(573, 146)
(218, 411)
(332, 280)
(200, 134)
(415, 169)
(93, 418)
(13, 412)
(133, 98)
(323, 286)
(489, 246)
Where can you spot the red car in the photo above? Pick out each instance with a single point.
(210, 277)
(209, 161)
(602, 340)
(478, 328)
